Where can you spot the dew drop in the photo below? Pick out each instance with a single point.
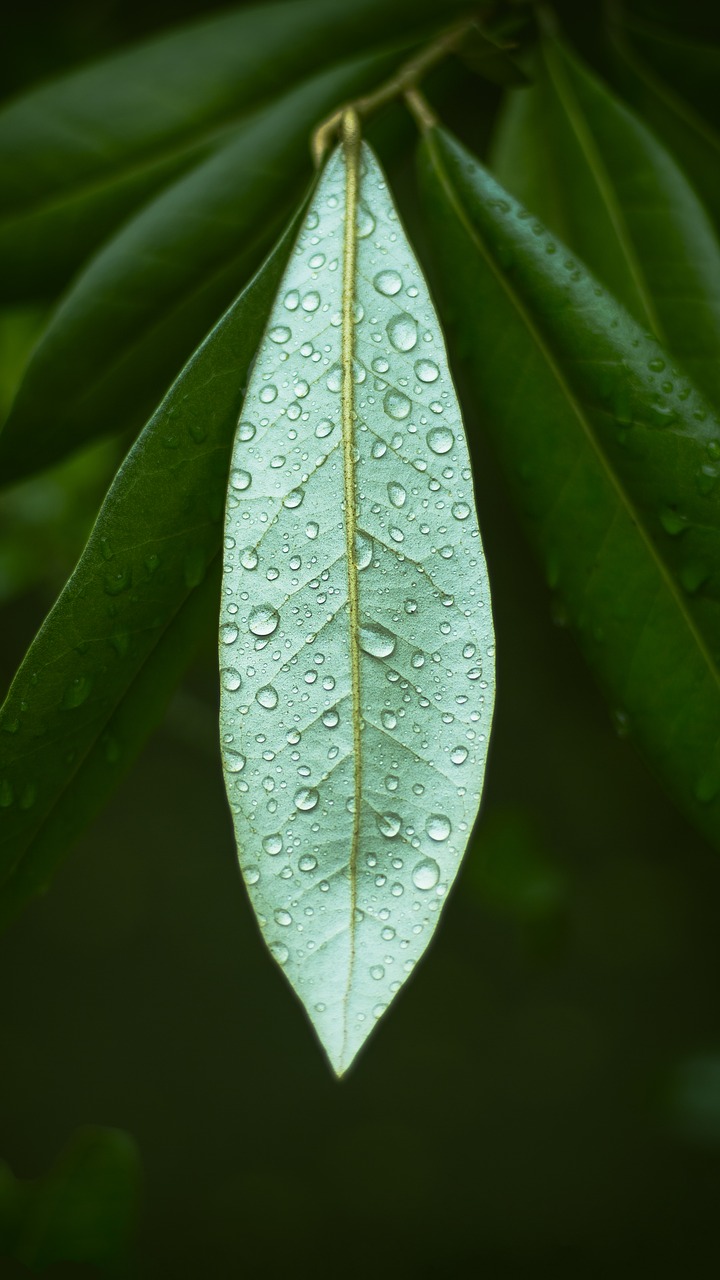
(396, 405)
(311, 301)
(294, 499)
(396, 494)
(249, 558)
(279, 952)
(252, 874)
(267, 697)
(365, 221)
(312, 530)
(389, 824)
(426, 371)
(331, 718)
(240, 480)
(388, 719)
(388, 283)
(292, 300)
(402, 332)
(273, 845)
(440, 439)
(245, 431)
(231, 679)
(363, 551)
(306, 798)
(324, 428)
(380, 365)
(461, 510)
(377, 972)
(376, 641)
(426, 874)
(280, 333)
(283, 917)
(234, 761)
(459, 755)
(228, 633)
(438, 827)
(268, 394)
(263, 620)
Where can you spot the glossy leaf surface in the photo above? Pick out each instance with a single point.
(79, 154)
(596, 176)
(691, 138)
(82, 681)
(613, 455)
(356, 643)
(145, 302)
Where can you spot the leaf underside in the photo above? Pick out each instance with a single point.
(356, 642)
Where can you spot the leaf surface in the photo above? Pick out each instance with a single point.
(613, 455)
(694, 142)
(81, 152)
(356, 643)
(144, 303)
(595, 175)
(74, 712)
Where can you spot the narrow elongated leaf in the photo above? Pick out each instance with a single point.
(79, 154)
(154, 541)
(614, 458)
(595, 175)
(141, 307)
(688, 66)
(138, 712)
(356, 638)
(693, 141)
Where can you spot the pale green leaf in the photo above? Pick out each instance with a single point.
(356, 642)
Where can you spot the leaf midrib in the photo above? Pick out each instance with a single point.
(623, 497)
(351, 160)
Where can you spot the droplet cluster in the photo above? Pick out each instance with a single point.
(289, 722)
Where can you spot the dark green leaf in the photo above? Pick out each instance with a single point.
(79, 154)
(491, 58)
(154, 541)
(144, 303)
(692, 140)
(84, 1210)
(690, 67)
(614, 457)
(138, 713)
(595, 175)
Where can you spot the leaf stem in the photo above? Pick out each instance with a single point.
(403, 82)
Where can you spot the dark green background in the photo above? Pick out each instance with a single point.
(544, 1098)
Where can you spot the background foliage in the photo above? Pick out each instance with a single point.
(546, 1096)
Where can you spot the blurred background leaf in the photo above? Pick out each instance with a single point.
(84, 1210)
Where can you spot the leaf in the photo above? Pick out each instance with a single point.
(689, 67)
(142, 306)
(84, 1210)
(80, 153)
(613, 456)
(138, 713)
(691, 139)
(595, 175)
(356, 636)
(152, 546)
